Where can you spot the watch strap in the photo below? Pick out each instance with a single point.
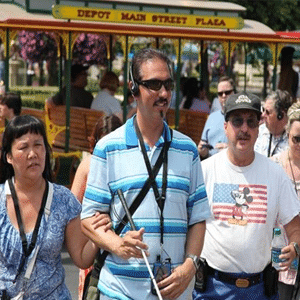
(195, 260)
(297, 249)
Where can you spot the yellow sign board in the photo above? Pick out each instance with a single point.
(145, 18)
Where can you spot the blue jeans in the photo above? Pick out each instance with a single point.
(219, 290)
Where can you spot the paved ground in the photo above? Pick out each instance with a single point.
(71, 274)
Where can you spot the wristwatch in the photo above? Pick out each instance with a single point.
(196, 260)
(297, 249)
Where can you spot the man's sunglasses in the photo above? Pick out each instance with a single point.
(220, 94)
(238, 122)
(156, 84)
(296, 139)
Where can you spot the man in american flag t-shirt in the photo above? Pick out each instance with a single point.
(247, 192)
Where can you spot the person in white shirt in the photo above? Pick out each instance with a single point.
(272, 137)
(247, 192)
(105, 99)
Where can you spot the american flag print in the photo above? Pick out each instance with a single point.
(225, 205)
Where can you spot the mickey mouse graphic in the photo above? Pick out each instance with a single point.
(241, 206)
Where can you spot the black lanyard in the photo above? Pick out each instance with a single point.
(276, 146)
(27, 250)
(160, 199)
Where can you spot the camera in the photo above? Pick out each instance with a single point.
(161, 270)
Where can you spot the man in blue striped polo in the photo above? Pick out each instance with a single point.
(170, 220)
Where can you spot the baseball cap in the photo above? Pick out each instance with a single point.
(242, 100)
(76, 69)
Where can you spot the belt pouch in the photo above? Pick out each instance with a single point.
(270, 276)
(201, 276)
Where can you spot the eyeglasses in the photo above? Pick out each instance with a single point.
(238, 122)
(156, 84)
(220, 94)
(296, 139)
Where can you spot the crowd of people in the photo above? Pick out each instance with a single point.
(219, 200)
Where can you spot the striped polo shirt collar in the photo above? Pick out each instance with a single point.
(132, 139)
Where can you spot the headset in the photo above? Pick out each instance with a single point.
(282, 103)
(279, 116)
(134, 87)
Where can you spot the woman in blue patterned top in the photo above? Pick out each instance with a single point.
(26, 160)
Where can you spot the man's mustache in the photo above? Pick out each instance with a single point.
(243, 136)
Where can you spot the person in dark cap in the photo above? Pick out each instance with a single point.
(247, 192)
(79, 96)
(288, 77)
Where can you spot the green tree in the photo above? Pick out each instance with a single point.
(280, 15)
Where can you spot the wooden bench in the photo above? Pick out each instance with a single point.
(38, 113)
(191, 123)
(82, 122)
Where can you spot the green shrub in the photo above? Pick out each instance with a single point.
(34, 97)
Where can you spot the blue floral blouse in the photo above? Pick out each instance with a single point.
(47, 278)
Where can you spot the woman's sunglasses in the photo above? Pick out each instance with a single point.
(296, 139)
(156, 84)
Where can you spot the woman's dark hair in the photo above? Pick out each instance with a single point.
(191, 90)
(103, 126)
(109, 81)
(16, 128)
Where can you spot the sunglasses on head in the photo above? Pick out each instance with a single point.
(238, 122)
(296, 139)
(225, 92)
(156, 84)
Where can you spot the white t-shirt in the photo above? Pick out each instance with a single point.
(245, 202)
(107, 103)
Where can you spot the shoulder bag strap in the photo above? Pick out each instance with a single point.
(100, 258)
(37, 248)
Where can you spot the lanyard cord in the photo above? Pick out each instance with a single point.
(276, 146)
(27, 251)
(292, 172)
(160, 199)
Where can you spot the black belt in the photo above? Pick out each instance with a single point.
(237, 280)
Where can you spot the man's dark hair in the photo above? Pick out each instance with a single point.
(229, 79)
(76, 69)
(145, 55)
(13, 101)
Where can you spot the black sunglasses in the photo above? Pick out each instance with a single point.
(296, 139)
(225, 92)
(156, 84)
(238, 122)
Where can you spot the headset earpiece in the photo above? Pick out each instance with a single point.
(134, 86)
(279, 104)
(279, 116)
